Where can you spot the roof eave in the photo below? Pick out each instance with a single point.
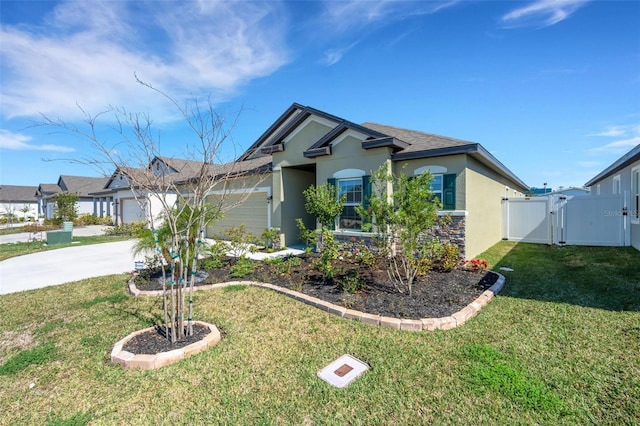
(474, 149)
(630, 157)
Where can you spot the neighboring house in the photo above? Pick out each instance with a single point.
(305, 146)
(18, 201)
(623, 177)
(572, 191)
(130, 202)
(534, 192)
(45, 195)
(83, 186)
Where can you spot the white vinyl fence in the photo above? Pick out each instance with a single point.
(559, 219)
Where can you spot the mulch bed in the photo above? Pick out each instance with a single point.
(437, 294)
(155, 341)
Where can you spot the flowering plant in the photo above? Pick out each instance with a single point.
(475, 265)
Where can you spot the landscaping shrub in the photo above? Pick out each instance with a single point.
(241, 242)
(270, 236)
(85, 219)
(308, 236)
(351, 283)
(242, 268)
(134, 229)
(445, 257)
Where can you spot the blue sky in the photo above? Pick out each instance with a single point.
(550, 87)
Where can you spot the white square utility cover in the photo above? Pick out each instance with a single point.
(343, 371)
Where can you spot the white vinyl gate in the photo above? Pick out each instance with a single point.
(559, 219)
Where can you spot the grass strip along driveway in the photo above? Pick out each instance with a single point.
(559, 345)
(18, 249)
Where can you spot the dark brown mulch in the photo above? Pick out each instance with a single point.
(437, 294)
(155, 341)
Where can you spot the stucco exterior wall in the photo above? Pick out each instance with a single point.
(484, 192)
(291, 206)
(454, 164)
(348, 154)
(298, 142)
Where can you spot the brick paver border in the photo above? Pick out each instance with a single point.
(150, 362)
(427, 324)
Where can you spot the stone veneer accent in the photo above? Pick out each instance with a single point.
(453, 233)
(427, 324)
(150, 362)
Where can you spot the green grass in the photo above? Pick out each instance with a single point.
(560, 345)
(18, 249)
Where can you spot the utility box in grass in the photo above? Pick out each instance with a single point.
(59, 237)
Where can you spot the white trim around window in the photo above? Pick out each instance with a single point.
(616, 185)
(634, 208)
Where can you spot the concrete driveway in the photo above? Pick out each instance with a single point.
(65, 265)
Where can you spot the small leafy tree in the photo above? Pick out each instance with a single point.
(66, 207)
(402, 216)
(25, 209)
(323, 202)
(186, 203)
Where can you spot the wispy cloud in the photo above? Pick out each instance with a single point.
(86, 53)
(19, 142)
(343, 19)
(628, 136)
(542, 13)
(618, 147)
(617, 131)
(333, 56)
(354, 14)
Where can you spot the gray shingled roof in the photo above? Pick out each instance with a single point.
(82, 185)
(418, 141)
(48, 189)
(18, 194)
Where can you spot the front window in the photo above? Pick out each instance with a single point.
(352, 188)
(436, 187)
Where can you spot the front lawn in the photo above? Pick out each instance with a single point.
(560, 345)
(9, 250)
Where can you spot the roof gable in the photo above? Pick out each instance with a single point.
(272, 140)
(405, 144)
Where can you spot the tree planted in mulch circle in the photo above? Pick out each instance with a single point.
(181, 187)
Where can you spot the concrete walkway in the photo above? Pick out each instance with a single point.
(65, 265)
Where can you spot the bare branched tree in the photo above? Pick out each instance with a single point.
(182, 188)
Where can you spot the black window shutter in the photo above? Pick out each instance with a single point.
(332, 182)
(449, 192)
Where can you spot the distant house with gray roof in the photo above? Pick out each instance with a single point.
(19, 201)
(83, 186)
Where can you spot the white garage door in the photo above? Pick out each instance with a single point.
(252, 213)
(131, 211)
